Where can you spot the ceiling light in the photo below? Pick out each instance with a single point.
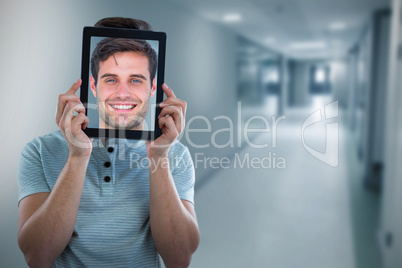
(232, 17)
(307, 45)
(337, 26)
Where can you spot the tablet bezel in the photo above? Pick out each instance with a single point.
(89, 32)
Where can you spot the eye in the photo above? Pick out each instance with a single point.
(136, 81)
(110, 80)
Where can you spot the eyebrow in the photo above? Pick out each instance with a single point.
(131, 76)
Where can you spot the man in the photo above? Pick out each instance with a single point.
(88, 206)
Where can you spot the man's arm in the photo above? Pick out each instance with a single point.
(46, 220)
(173, 221)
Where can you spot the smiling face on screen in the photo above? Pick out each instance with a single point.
(123, 89)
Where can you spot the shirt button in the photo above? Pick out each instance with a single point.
(107, 164)
(110, 149)
(106, 179)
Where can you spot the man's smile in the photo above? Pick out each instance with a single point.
(122, 107)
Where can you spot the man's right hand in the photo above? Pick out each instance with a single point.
(71, 119)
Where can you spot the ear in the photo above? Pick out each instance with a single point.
(93, 88)
(153, 88)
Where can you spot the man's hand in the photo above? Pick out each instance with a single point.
(71, 119)
(171, 121)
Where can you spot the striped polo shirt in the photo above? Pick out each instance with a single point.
(113, 226)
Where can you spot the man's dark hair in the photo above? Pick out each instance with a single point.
(119, 22)
(109, 46)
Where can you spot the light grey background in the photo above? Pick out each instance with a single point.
(93, 114)
(41, 58)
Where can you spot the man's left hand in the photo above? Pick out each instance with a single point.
(171, 121)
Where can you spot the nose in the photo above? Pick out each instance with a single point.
(123, 90)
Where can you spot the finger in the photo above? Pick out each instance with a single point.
(171, 101)
(162, 122)
(62, 101)
(170, 127)
(167, 125)
(64, 98)
(170, 110)
(68, 113)
(75, 87)
(78, 108)
(168, 91)
(177, 115)
(78, 122)
(85, 124)
(174, 101)
(74, 107)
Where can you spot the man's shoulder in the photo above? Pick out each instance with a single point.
(53, 139)
(48, 152)
(178, 148)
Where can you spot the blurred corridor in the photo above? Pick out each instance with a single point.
(294, 121)
(319, 199)
(307, 214)
(297, 216)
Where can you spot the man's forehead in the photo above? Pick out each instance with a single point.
(128, 59)
(141, 56)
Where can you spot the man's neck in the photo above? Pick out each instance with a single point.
(103, 125)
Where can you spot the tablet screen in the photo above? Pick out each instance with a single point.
(122, 73)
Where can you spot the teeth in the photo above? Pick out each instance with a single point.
(123, 107)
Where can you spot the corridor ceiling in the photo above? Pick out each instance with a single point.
(301, 29)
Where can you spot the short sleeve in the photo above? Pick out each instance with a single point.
(31, 178)
(183, 172)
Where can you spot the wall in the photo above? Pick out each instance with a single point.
(339, 82)
(381, 73)
(41, 58)
(370, 62)
(352, 95)
(390, 233)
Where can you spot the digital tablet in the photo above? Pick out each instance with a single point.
(122, 75)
